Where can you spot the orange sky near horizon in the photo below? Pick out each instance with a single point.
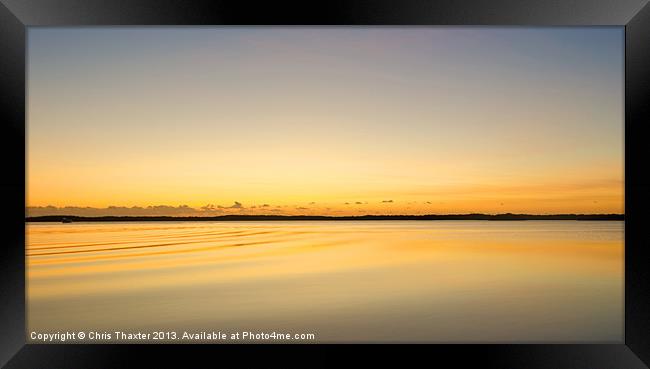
(327, 121)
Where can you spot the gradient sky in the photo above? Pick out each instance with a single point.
(349, 120)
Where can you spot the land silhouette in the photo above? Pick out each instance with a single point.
(474, 216)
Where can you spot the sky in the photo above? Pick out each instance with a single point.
(327, 121)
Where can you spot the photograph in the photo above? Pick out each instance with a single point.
(325, 184)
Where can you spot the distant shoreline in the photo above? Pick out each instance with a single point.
(501, 217)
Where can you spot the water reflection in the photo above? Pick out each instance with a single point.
(381, 281)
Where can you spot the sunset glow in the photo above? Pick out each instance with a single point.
(324, 121)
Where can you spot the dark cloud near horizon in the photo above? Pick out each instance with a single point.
(236, 205)
(151, 210)
(387, 201)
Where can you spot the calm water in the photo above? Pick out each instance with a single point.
(380, 281)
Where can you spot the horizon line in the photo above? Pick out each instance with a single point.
(465, 216)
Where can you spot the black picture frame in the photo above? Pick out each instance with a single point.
(17, 15)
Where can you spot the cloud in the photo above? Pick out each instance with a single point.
(236, 205)
(302, 208)
(312, 203)
(112, 210)
(347, 203)
(151, 210)
(265, 206)
(358, 203)
(387, 201)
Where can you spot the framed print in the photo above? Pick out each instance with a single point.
(462, 181)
